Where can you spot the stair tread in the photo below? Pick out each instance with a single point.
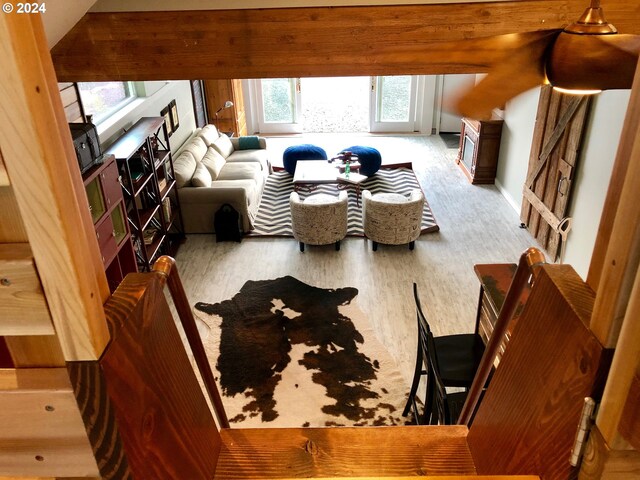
(287, 453)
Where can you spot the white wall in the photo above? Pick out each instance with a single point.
(451, 88)
(515, 146)
(150, 107)
(591, 179)
(61, 16)
(602, 136)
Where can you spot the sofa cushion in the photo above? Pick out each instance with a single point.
(223, 145)
(184, 167)
(209, 133)
(257, 156)
(241, 171)
(196, 147)
(201, 177)
(214, 162)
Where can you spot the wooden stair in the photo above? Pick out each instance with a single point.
(389, 452)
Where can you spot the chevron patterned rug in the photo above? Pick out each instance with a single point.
(274, 217)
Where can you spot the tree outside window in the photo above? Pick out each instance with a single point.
(103, 99)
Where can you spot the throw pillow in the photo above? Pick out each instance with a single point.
(196, 147)
(184, 166)
(201, 177)
(209, 133)
(223, 145)
(214, 162)
(251, 142)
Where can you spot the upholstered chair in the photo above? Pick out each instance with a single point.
(320, 219)
(391, 218)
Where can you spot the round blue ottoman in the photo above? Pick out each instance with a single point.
(306, 151)
(369, 158)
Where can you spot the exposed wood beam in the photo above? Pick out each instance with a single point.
(376, 40)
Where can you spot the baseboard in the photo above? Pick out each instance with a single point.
(508, 197)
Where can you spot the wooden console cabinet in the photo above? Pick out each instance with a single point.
(108, 212)
(479, 149)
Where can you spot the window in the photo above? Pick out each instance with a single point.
(103, 99)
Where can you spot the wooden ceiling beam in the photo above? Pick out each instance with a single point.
(322, 41)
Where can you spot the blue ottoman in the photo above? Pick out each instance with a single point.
(306, 151)
(369, 158)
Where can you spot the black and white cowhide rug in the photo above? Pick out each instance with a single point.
(287, 354)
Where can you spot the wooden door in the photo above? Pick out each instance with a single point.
(233, 119)
(554, 153)
(238, 103)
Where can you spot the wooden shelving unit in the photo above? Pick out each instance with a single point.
(108, 212)
(147, 178)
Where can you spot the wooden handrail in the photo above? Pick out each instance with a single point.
(166, 267)
(530, 261)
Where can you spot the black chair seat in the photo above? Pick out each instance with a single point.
(458, 358)
(449, 361)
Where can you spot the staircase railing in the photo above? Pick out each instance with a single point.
(166, 266)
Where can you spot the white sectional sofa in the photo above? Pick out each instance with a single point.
(213, 169)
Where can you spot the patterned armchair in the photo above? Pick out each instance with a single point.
(391, 218)
(320, 219)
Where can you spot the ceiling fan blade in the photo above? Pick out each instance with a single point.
(593, 62)
(520, 71)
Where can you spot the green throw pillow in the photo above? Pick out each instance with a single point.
(249, 143)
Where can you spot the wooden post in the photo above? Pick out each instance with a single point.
(37, 155)
(616, 254)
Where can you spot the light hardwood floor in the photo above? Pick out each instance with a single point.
(477, 225)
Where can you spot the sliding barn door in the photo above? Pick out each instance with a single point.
(554, 154)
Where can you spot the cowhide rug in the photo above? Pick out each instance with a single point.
(287, 354)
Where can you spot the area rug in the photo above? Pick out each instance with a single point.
(288, 354)
(274, 216)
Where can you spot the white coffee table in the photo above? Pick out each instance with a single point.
(314, 172)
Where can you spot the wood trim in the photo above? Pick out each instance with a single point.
(629, 426)
(560, 122)
(622, 257)
(314, 41)
(35, 351)
(12, 228)
(626, 361)
(557, 133)
(628, 142)
(98, 414)
(44, 433)
(4, 176)
(529, 414)
(37, 154)
(276, 453)
(600, 462)
(22, 304)
(541, 208)
(164, 420)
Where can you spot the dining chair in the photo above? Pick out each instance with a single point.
(458, 357)
(444, 407)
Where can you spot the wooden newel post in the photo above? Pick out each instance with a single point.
(166, 266)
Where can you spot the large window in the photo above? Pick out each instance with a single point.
(103, 99)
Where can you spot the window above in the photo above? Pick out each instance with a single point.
(103, 99)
